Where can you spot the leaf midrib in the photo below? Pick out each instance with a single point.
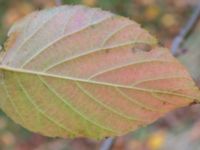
(7, 68)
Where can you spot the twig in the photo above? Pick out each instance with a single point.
(185, 31)
(107, 144)
(58, 2)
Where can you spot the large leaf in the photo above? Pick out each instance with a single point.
(76, 71)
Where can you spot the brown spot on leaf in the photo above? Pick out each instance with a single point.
(107, 50)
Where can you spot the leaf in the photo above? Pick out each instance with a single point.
(75, 71)
(191, 58)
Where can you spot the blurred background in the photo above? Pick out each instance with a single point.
(178, 130)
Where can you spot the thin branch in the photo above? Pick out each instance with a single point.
(108, 144)
(185, 31)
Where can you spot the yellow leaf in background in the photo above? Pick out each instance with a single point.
(168, 20)
(152, 12)
(7, 138)
(89, 2)
(156, 140)
(15, 13)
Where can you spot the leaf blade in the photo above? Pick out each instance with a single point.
(94, 75)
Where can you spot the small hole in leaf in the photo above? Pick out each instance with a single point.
(141, 47)
(194, 103)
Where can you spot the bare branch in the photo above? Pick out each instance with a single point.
(185, 31)
(107, 144)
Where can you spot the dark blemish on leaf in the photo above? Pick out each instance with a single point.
(160, 43)
(107, 50)
(164, 103)
(141, 47)
(194, 103)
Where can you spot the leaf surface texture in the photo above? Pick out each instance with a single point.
(74, 71)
